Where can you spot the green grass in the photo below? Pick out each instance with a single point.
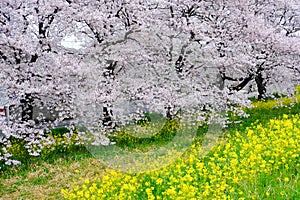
(131, 139)
(264, 112)
(42, 177)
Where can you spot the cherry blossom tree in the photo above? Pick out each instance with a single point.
(265, 44)
(165, 55)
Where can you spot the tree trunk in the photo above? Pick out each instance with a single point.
(221, 80)
(169, 115)
(27, 107)
(109, 74)
(261, 86)
(107, 120)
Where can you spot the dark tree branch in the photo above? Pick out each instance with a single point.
(243, 83)
(172, 12)
(96, 34)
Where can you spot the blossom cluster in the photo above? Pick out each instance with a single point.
(14, 150)
(260, 162)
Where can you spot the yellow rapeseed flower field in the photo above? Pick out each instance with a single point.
(260, 163)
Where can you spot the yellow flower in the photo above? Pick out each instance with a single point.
(87, 194)
(80, 193)
(159, 181)
(147, 183)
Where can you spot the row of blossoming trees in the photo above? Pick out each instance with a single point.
(163, 55)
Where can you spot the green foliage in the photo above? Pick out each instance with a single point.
(297, 90)
(59, 131)
(125, 139)
(264, 111)
(144, 121)
(18, 150)
(277, 95)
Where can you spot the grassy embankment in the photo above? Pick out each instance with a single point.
(257, 159)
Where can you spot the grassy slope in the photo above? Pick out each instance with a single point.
(43, 178)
